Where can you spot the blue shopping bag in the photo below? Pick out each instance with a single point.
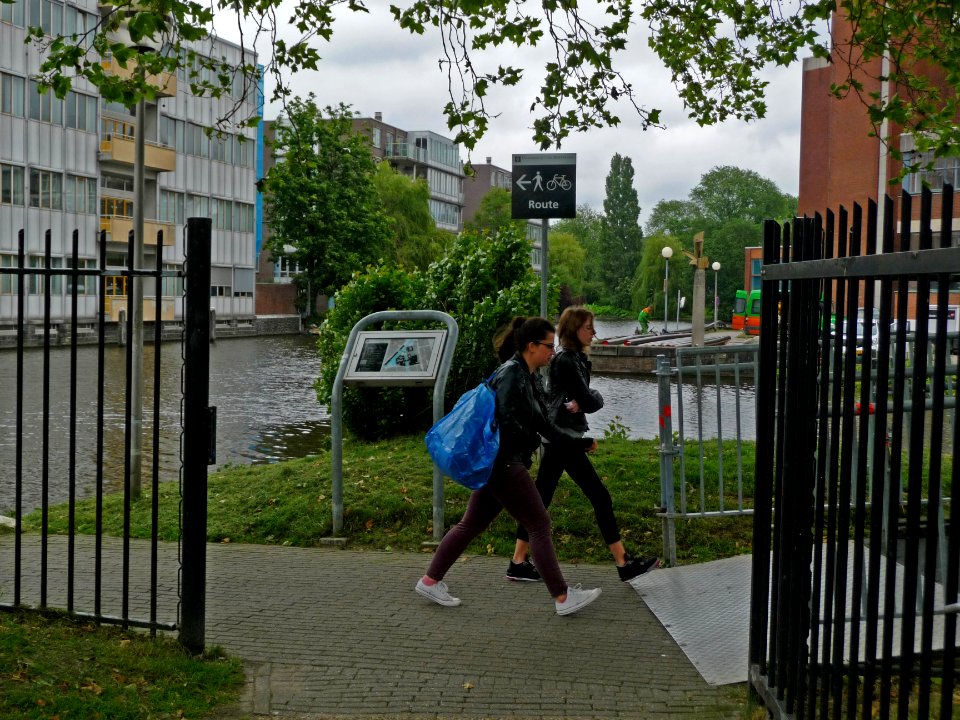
(464, 442)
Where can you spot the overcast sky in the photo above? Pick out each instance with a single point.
(373, 65)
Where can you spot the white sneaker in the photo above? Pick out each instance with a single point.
(437, 593)
(577, 599)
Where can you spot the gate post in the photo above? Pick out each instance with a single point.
(667, 453)
(196, 433)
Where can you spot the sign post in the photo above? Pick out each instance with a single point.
(544, 187)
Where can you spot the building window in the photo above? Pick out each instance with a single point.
(284, 268)
(81, 195)
(243, 217)
(48, 16)
(81, 111)
(110, 181)
(171, 207)
(8, 283)
(198, 206)
(13, 12)
(172, 285)
(79, 26)
(86, 284)
(46, 190)
(944, 170)
(11, 185)
(11, 93)
(196, 141)
(222, 216)
(35, 283)
(116, 207)
(375, 137)
(46, 106)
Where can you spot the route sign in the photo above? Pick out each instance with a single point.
(544, 186)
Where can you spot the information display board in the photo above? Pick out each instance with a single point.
(399, 357)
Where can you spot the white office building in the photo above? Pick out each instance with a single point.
(68, 165)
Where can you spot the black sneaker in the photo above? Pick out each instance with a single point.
(523, 572)
(635, 567)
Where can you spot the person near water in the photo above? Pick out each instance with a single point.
(522, 419)
(644, 319)
(572, 396)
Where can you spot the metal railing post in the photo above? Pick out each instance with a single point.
(196, 434)
(667, 453)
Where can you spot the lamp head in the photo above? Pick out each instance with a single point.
(715, 266)
(667, 252)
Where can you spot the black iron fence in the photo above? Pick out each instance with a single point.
(96, 572)
(855, 569)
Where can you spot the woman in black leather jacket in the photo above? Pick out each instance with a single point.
(522, 419)
(571, 396)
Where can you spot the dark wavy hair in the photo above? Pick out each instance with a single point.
(519, 333)
(572, 319)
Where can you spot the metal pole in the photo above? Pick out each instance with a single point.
(196, 434)
(716, 299)
(135, 300)
(666, 293)
(544, 266)
(667, 453)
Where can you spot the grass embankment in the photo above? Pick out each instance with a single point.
(388, 496)
(52, 667)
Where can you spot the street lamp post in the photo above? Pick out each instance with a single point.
(716, 298)
(667, 253)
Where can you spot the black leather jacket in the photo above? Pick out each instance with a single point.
(522, 415)
(570, 380)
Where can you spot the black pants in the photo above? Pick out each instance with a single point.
(556, 459)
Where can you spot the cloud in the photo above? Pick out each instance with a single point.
(373, 65)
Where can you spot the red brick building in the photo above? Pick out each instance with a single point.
(842, 164)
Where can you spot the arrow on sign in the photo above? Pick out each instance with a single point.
(522, 182)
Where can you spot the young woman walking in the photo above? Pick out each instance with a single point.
(571, 394)
(522, 419)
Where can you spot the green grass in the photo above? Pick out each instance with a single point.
(388, 500)
(53, 667)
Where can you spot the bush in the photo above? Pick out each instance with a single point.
(482, 282)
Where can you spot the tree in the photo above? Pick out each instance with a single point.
(494, 214)
(483, 281)
(323, 207)
(730, 193)
(728, 205)
(679, 218)
(622, 237)
(715, 51)
(587, 229)
(406, 202)
(648, 282)
(566, 263)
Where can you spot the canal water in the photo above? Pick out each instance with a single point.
(266, 410)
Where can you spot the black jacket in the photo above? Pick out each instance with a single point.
(522, 414)
(570, 380)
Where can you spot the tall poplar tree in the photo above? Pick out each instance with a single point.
(622, 237)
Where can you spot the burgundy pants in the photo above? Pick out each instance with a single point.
(512, 489)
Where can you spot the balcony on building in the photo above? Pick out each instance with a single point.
(116, 218)
(164, 83)
(117, 144)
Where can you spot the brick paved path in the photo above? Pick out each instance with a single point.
(332, 632)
